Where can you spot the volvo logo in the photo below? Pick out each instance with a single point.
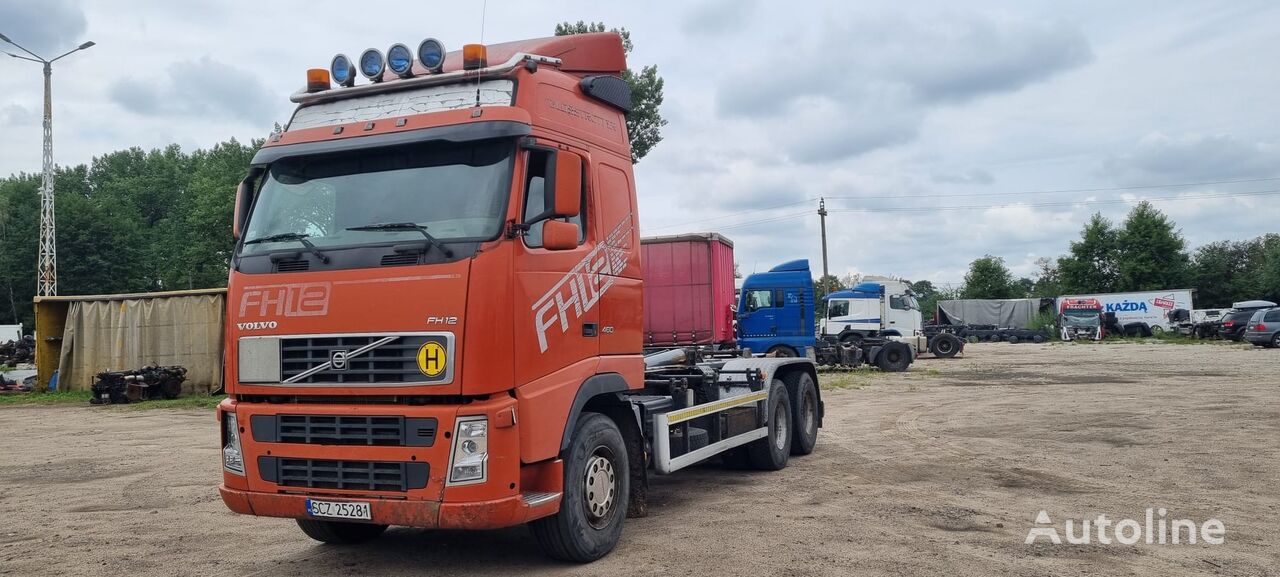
(338, 360)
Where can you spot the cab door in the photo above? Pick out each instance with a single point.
(557, 312)
(758, 316)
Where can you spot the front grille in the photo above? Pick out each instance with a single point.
(392, 363)
(348, 475)
(369, 430)
(399, 259)
(292, 265)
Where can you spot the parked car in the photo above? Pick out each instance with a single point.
(1264, 328)
(1234, 323)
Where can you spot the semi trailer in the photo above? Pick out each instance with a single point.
(688, 290)
(435, 310)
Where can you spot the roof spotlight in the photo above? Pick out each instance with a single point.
(431, 55)
(342, 70)
(400, 60)
(372, 64)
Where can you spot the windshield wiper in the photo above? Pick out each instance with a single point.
(298, 236)
(407, 226)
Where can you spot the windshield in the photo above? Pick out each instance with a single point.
(1080, 318)
(458, 191)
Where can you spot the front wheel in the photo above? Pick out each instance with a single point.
(596, 493)
(340, 533)
(782, 351)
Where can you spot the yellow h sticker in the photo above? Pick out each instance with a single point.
(432, 359)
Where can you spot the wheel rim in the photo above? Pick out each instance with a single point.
(807, 412)
(599, 487)
(780, 427)
(944, 346)
(1275, 340)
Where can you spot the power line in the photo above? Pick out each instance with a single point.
(1056, 203)
(963, 195)
(1061, 190)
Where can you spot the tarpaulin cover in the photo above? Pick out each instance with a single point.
(1003, 313)
(115, 335)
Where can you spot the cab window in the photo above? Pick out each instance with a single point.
(898, 302)
(535, 183)
(759, 299)
(837, 309)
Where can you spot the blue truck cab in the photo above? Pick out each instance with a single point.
(775, 311)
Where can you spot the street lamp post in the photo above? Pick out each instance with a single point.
(47, 265)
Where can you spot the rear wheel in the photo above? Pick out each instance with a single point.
(596, 491)
(340, 533)
(782, 351)
(804, 414)
(1037, 338)
(894, 357)
(771, 453)
(1275, 341)
(945, 346)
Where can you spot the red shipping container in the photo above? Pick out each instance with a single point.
(688, 290)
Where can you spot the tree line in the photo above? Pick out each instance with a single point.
(1146, 252)
(128, 221)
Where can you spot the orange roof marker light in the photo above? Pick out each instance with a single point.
(474, 57)
(317, 79)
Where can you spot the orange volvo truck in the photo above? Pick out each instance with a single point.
(434, 310)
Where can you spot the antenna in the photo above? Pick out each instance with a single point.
(484, 11)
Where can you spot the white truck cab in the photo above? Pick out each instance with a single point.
(879, 307)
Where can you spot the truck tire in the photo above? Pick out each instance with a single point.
(851, 339)
(339, 532)
(596, 490)
(771, 452)
(1012, 339)
(1037, 338)
(894, 357)
(804, 413)
(782, 351)
(945, 346)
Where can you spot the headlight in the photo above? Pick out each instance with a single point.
(470, 451)
(232, 457)
(372, 64)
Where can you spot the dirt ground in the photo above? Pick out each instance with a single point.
(942, 469)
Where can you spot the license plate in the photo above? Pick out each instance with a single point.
(339, 509)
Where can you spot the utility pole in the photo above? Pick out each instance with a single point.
(822, 214)
(47, 258)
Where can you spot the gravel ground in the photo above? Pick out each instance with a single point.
(942, 469)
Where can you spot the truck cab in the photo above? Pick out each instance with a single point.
(877, 308)
(775, 311)
(1080, 318)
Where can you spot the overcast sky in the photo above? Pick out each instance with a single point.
(894, 107)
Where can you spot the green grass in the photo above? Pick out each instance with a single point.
(834, 379)
(55, 398)
(199, 401)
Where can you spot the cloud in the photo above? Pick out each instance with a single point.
(1158, 158)
(717, 17)
(204, 88)
(46, 27)
(971, 176)
(868, 81)
(17, 115)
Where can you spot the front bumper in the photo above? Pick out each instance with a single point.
(492, 514)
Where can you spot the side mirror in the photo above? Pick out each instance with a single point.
(241, 209)
(559, 235)
(566, 200)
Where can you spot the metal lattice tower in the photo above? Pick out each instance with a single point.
(47, 254)
(47, 259)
